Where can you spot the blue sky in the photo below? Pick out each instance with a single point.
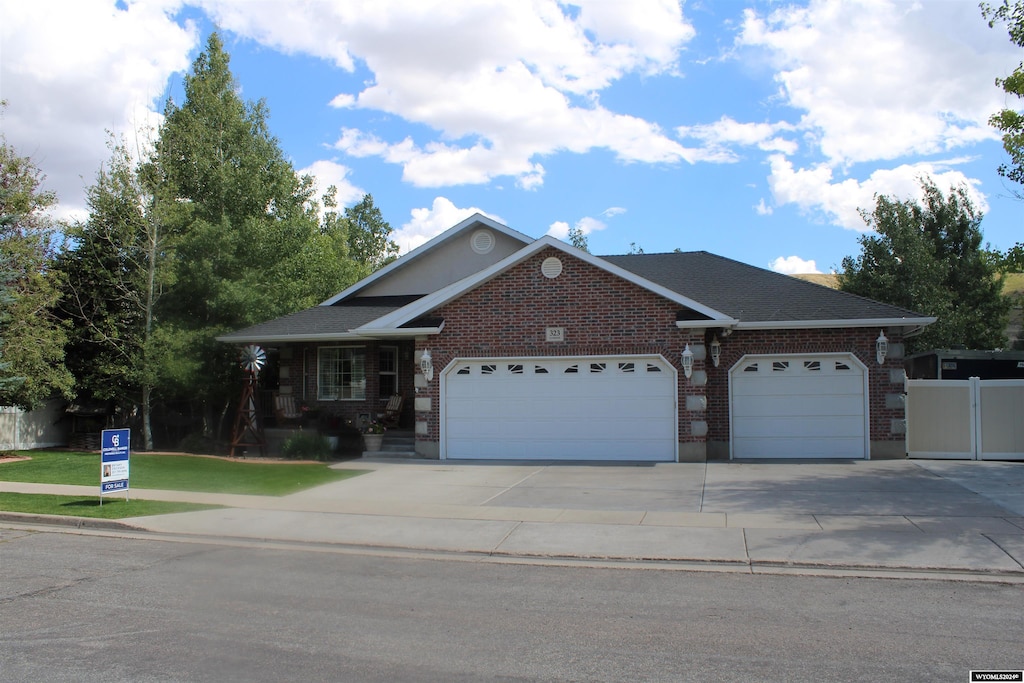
(754, 130)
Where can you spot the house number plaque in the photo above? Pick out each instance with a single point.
(555, 334)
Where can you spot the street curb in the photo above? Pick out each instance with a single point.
(67, 521)
(554, 559)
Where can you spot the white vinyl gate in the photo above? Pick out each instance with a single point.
(965, 419)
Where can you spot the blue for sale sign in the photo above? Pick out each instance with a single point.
(114, 452)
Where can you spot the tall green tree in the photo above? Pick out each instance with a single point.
(116, 267)
(249, 241)
(33, 336)
(1009, 120)
(369, 236)
(927, 257)
(8, 381)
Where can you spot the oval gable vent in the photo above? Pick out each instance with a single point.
(551, 267)
(482, 241)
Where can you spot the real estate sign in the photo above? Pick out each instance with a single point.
(114, 452)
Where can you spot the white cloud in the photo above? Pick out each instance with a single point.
(559, 230)
(721, 134)
(586, 225)
(816, 191)
(329, 173)
(793, 265)
(878, 79)
(762, 209)
(497, 79)
(428, 223)
(91, 68)
(613, 211)
(342, 101)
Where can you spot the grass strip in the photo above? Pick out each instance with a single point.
(76, 506)
(175, 473)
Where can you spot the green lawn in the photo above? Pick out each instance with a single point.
(175, 473)
(76, 506)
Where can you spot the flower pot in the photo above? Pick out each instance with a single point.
(373, 442)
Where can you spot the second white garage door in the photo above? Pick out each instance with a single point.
(614, 408)
(799, 407)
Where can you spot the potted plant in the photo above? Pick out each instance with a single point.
(373, 435)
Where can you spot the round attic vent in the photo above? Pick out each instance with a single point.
(482, 241)
(551, 268)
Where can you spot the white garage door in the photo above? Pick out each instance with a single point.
(799, 407)
(621, 408)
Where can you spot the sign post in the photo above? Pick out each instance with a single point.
(114, 452)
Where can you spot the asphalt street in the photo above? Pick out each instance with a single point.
(84, 605)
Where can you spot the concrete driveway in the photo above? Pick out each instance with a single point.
(867, 517)
(911, 488)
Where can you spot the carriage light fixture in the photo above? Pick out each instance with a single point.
(716, 350)
(427, 365)
(881, 347)
(687, 360)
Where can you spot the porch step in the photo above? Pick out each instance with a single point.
(397, 444)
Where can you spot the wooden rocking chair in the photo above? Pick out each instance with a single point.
(286, 410)
(392, 412)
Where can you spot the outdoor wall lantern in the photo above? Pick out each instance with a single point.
(427, 365)
(716, 350)
(881, 347)
(687, 359)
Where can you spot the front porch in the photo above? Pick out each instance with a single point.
(398, 443)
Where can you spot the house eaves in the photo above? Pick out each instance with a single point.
(910, 326)
(476, 219)
(447, 294)
(907, 323)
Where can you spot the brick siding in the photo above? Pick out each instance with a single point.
(606, 315)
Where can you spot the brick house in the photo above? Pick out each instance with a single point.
(509, 347)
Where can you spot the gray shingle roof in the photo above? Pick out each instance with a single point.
(752, 294)
(321, 321)
(741, 291)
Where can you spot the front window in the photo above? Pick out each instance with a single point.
(388, 371)
(341, 373)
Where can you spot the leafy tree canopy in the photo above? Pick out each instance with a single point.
(578, 239)
(32, 336)
(115, 270)
(928, 257)
(1008, 120)
(249, 239)
(369, 236)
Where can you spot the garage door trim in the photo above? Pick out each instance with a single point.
(848, 357)
(455, 363)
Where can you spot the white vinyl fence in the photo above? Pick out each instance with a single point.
(40, 428)
(969, 419)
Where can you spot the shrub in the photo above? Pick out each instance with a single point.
(303, 445)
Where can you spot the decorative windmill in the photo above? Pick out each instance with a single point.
(247, 431)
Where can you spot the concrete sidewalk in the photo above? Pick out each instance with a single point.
(862, 517)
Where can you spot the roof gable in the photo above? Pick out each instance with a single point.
(441, 297)
(469, 247)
